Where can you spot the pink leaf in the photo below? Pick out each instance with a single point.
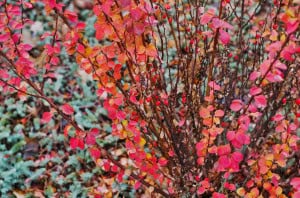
(4, 74)
(277, 117)
(254, 75)
(255, 90)
(237, 156)
(201, 190)
(236, 105)
(214, 85)
(67, 109)
(137, 185)
(204, 112)
(46, 117)
(230, 135)
(224, 37)
(264, 67)
(280, 65)
(218, 195)
(242, 138)
(295, 182)
(219, 113)
(4, 37)
(291, 26)
(218, 23)
(297, 194)
(260, 101)
(90, 139)
(206, 17)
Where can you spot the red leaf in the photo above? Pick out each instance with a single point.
(224, 162)
(72, 16)
(112, 113)
(90, 139)
(136, 14)
(121, 115)
(162, 161)
(95, 153)
(67, 109)
(224, 149)
(138, 28)
(76, 142)
(106, 7)
(236, 105)
(137, 185)
(46, 117)
(229, 186)
(125, 3)
(67, 129)
(94, 131)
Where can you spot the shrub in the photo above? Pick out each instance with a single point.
(200, 97)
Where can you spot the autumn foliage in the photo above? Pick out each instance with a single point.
(203, 95)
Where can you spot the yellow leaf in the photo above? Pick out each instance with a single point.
(142, 142)
(241, 191)
(290, 13)
(148, 156)
(270, 174)
(278, 190)
(269, 157)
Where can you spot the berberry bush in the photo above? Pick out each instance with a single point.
(201, 96)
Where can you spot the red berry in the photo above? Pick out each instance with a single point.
(284, 100)
(298, 101)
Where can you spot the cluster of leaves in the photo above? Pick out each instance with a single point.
(201, 98)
